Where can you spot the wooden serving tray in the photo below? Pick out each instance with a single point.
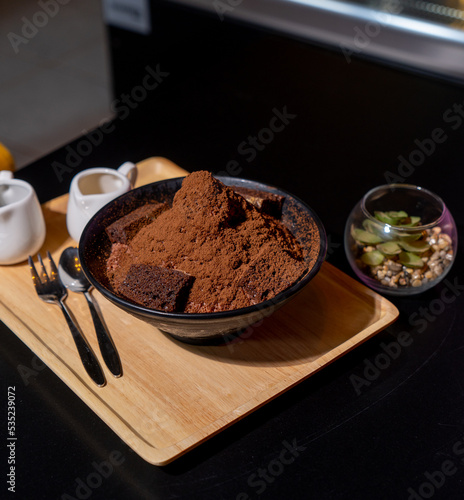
(173, 396)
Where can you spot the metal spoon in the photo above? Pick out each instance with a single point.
(74, 279)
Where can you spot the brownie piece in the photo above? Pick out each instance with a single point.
(157, 287)
(125, 228)
(268, 203)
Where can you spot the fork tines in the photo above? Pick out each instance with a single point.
(47, 284)
(50, 289)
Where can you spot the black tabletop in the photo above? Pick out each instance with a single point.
(300, 117)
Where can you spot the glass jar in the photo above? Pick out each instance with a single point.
(400, 239)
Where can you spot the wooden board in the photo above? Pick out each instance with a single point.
(173, 396)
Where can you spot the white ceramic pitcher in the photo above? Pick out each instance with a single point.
(22, 225)
(92, 189)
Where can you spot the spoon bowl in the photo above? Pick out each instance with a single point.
(71, 272)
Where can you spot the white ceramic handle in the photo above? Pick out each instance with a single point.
(129, 169)
(5, 175)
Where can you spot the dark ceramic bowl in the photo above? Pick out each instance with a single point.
(199, 328)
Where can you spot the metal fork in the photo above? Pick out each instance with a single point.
(51, 290)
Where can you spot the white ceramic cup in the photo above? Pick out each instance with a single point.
(92, 189)
(22, 225)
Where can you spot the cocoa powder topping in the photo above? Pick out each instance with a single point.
(237, 255)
